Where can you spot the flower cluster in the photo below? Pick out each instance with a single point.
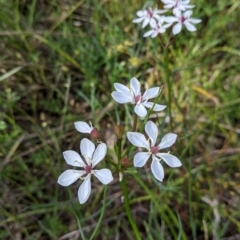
(133, 95)
(92, 155)
(159, 23)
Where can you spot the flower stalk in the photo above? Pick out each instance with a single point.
(125, 191)
(169, 85)
(102, 214)
(128, 210)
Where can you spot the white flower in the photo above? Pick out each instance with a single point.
(157, 28)
(177, 5)
(140, 159)
(148, 16)
(133, 95)
(92, 158)
(85, 128)
(183, 19)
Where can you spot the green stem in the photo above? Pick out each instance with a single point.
(119, 152)
(169, 85)
(134, 122)
(101, 216)
(128, 210)
(124, 187)
(78, 223)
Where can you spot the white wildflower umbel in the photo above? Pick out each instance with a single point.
(134, 96)
(148, 16)
(92, 158)
(177, 6)
(183, 19)
(140, 159)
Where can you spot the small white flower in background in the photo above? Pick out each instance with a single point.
(177, 5)
(83, 127)
(140, 159)
(148, 16)
(183, 19)
(92, 158)
(157, 28)
(133, 95)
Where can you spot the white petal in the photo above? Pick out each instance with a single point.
(159, 11)
(170, 19)
(150, 93)
(155, 33)
(138, 139)
(148, 33)
(121, 97)
(138, 20)
(99, 154)
(187, 14)
(87, 148)
(140, 110)
(177, 28)
(83, 127)
(168, 6)
(104, 175)
(169, 159)
(194, 20)
(157, 107)
(152, 22)
(121, 88)
(145, 22)
(152, 131)
(70, 176)
(168, 140)
(140, 159)
(73, 158)
(85, 189)
(157, 169)
(165, 1)
(135, 86)
(141, 13)
(190, 27)
(167, 25)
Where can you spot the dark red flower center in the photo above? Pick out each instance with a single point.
(154, 149)
(183, 19)
(88, 169)
(150, 13)
(138, 98)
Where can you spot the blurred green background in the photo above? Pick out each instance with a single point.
(59, 60)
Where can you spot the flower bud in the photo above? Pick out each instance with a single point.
(125, 161)
(94, 134)
(119, 130)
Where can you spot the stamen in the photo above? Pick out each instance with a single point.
(90, 123)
